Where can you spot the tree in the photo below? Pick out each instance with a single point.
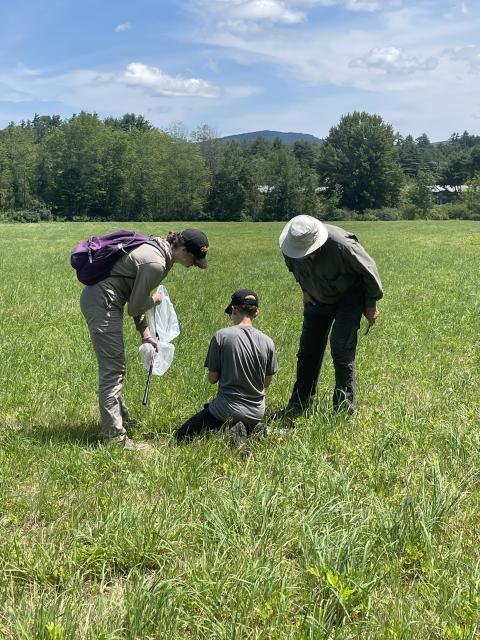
(409, 157)
(359, 156)
(77, 155)
(420, 193)
(305, 153)
(475, 159)
(471, 196)
(227, 197)
(284, 197)
(129, 122)
(43, 125)
(210, 146)
(184, 179)
(260, 147)
(6, 194)
(456, 171)
(20, 153)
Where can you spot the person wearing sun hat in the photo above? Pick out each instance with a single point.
(242, 360)
(340, 282)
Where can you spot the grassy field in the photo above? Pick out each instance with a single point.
(348, 528)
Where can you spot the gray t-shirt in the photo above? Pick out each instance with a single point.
(243, 356)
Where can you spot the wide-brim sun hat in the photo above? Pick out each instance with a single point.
(301, 236)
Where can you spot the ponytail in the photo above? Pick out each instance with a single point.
(174, 238)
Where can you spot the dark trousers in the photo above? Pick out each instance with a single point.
(201, 421)
(343, 318)
(205, 421)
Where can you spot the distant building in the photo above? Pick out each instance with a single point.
(265, 188)
(443, 193)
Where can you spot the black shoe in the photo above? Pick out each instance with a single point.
(239, 439)
(343, 403)
(260, 430)
(238, 434)
(291, 411)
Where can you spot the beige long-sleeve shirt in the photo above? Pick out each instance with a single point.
(135, 275)
(340, 265)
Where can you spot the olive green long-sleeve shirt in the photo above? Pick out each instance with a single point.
(135, 275)
(338, 266)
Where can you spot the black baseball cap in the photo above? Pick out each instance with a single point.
(196, 242)
(242, 297)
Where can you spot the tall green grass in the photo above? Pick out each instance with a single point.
(348, 528)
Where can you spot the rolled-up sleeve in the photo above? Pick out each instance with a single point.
(149, 276)
(360, 262)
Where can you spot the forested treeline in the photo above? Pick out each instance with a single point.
(126, 169)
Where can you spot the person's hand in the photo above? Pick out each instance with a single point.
(157, 298)
(151, 341)
(371, 314)
(307, 299)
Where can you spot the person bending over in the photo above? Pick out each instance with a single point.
(340, 282)
(242, 360)
(130, 283)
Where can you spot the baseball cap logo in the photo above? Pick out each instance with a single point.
(204, 249)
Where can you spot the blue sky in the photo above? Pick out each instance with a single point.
(245, 65)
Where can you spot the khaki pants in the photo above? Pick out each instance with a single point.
(105, 323)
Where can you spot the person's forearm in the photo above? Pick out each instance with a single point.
(148, 277)
(140, 323)
(145, 333)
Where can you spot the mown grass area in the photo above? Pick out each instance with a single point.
(365, 527)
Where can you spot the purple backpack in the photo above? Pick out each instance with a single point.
(94, 258)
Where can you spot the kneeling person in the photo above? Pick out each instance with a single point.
(242, 360)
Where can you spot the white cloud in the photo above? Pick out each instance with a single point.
(28, 71)
(469, 56)
(28, 84)
(265, 10)
(390, 60)
(137, 88)
(394, 61)
(124, 26)
(362, 5)
(245, 16)
(359, 5)
(157, 82)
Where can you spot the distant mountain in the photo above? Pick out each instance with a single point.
(286, 138)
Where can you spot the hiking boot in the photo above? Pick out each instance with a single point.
(129, 445)
(137, 445)
(238, 434)
(239, 439)
(347, 407)
(343, 402)
(290, 412)
(259, 430)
